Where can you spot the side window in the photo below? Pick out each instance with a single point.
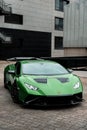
(17, 68)
(59, 24)
(59, 4)
(58, 43)
(14, 19)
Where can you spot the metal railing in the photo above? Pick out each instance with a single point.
(5, 38)
(5, 7)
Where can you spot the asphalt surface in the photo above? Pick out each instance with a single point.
(14, 117)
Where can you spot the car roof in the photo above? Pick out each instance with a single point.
(24, 60)
(36, 61)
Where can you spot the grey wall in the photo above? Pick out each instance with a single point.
(75, 24)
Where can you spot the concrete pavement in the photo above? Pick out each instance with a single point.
(81, 73)
(13, 117)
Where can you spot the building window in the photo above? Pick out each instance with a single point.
(14, 19)
(59, 4)
(59, 24)
(58, 42)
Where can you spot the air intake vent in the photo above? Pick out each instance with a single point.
(44, 80)
(63, 80)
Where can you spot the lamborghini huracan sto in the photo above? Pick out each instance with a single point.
(34, 81)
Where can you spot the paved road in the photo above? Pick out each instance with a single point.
(81, 73)
(13, 117)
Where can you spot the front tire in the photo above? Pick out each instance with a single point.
(15, 93)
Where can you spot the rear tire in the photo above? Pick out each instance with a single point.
(5, 84)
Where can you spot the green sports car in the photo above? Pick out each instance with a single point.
(34, 81)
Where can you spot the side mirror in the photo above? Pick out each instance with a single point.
(70, 70)
(11, 72)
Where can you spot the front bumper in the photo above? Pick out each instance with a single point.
(53, 100)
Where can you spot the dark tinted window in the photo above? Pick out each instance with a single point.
(17, 68)
(58, 42)
(14, 18)
(59, 4)
(59, 24)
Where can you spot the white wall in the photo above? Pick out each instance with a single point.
(37, 14)
(55, 52)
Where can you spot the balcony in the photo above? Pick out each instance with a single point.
(4, 38)
(68, 1)
(5, 9)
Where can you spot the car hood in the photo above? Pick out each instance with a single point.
(53, 85)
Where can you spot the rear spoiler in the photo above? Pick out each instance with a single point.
(23, 58)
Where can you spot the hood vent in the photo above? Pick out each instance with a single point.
(44, 80)
(63, 80)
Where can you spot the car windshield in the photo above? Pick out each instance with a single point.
(43, 68)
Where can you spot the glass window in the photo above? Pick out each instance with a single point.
(43, 68)
(59, 24)
(59, 4)
(58, 42)
(14, 18)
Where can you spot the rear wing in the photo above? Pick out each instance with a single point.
(23, 58)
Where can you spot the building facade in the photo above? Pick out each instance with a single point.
(36, 28)
(75, 28)
(31, 28)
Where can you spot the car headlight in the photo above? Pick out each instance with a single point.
(77, 85)
(31, 87)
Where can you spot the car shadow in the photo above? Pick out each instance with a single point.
(52, 107)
